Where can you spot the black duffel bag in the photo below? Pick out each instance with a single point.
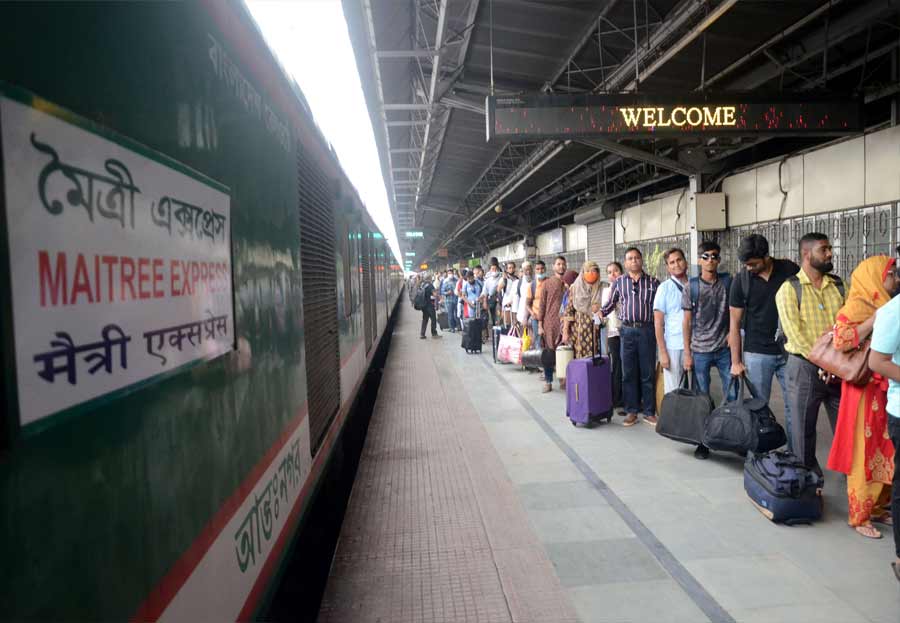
(684, 411)
(743, 425)
(531, 359)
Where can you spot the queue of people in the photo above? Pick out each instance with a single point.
(761, 323)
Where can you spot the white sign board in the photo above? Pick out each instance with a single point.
(120, 260)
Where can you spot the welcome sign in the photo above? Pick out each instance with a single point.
(120, 259)
(561, 116)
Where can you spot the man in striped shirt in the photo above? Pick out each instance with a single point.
(636, 291)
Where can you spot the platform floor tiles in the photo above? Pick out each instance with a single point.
(476, 500)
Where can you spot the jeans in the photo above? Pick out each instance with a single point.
(614, 347)
(808, 393)
(672, 376)
(894, 429)
(450, 307)
(721, 359)
(760, 369)
(638, 347)
(548, 376)
(492, 310)
(428, 314)
(535, 336)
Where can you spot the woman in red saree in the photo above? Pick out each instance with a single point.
(862, 448)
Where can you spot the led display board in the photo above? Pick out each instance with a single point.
(415, 234)
(529, 117)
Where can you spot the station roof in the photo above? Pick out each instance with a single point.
(427, 66)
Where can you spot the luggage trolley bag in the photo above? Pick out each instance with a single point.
(589, 390)
(443, 320)
(471, 335)
(684, 411)
(782, 488)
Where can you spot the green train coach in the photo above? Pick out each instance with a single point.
(191, 294)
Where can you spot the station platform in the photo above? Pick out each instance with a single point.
(477, 500)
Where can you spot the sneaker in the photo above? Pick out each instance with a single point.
(650, 419)
(434, 335)
(702, 452)
(548, 387)
(421, 337)
(631, 420)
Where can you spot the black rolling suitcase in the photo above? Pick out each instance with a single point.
(471, 335)
(443, 320)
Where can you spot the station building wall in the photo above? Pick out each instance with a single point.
(849, 190)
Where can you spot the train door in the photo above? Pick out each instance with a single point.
(320, 314)
(368, 295)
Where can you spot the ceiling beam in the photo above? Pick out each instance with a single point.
(581, 41)
(401, 124)
(404, 106)
(404, 54)
(775, 39)
(811, 45)
(634, 153)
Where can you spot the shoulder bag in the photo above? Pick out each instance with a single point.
(851, 366)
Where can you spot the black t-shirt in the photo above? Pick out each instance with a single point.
(428, 289)
(761, 315)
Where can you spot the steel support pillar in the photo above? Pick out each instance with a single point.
(694, 186)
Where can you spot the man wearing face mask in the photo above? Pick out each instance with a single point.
(802, 322)
(540, 273)
(547, 305)
(752, 309)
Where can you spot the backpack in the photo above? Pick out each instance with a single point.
(695, 288)
(794, 280)
(419, 302)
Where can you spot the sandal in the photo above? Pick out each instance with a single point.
(868, 530)
(631, 420)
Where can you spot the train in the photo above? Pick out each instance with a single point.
(191, 295)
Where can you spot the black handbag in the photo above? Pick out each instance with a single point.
(743, 425)
(684, 411)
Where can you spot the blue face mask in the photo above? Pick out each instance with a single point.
(540, 276)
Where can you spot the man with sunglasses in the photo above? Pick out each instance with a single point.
(706, 323)
(636, 291)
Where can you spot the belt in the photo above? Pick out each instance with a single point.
(635, 325)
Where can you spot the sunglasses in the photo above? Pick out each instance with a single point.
(710, 257)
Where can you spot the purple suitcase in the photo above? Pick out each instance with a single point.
(589, 390)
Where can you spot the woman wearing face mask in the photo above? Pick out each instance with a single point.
(579, 329)
(862, 448)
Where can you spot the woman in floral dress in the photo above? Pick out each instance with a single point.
(862, 448)
(579, 329)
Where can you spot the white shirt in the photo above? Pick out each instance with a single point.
(523, 311)
(612, 320)
(511, 294)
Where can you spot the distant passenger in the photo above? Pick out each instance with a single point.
(862, 446)
(884, 359)
(525, 290)
(491, 285)
(802, 322)
(753, 311)
(448, 294)
(548, 301)
(428, 312)
(636, 291)
(613, 345)
(471, 292)
(510, 302)
(705, 325)
(540, 274)
(460, 300)
(668, 317)
(579, 328)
